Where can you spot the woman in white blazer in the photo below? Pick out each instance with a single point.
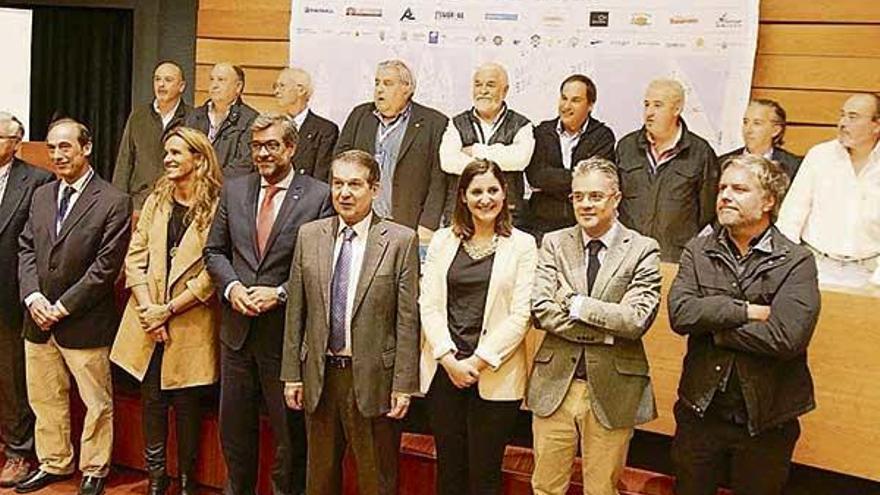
(475, 310)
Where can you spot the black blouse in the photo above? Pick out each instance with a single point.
(177, 225)
(467, 283)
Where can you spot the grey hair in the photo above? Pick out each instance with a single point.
(497, 67)
(672, 86)
(7, 118)
(772, 178)
(403, 71)
(304, 77)
(599, 165)
(288, 126)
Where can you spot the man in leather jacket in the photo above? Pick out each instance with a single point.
(748, 300)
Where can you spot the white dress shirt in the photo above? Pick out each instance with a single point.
(299, 118)
(831, 208)
(513, 157)
(166, 118)
(577, 301)
(568, 141)
(358, 246)
(277, 201)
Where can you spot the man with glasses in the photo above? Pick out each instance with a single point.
(18, 180)
(317, 136)
(596, 293)
(248, 254)
(833, 205)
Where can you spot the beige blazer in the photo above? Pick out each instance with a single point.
(505, 318)
(191, 358)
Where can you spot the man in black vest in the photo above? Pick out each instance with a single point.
(492, 131)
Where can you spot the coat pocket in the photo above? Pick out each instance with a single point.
(627, 366)
(544, 355)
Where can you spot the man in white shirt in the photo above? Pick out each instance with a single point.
(833, 205)
(139, 161)
(491, 131)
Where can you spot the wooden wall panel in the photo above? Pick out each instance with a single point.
(818, 39)
(251, 24)
(821, 11)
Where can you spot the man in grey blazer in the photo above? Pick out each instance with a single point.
(351, 339)
(597, 291)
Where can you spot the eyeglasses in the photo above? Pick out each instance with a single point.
(271, 146)
(593, 197)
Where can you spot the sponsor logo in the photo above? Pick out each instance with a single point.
(433, 37)
(599, 18)
(674, 44)
(726, 20)
(448, 15)
(648, 43)
(620, 42)
(318, 10)
(700, 42)
(408, 15)
(480, 39)
(535, 40)
(500, 16)
(363, 12)
(595, 42)
(553, 20)
(497, 40)
(641, 19)
(683, 19)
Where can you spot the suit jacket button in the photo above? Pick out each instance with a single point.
(717, 367)
(574, 360)
(484, 331)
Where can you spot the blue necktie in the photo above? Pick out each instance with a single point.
(339, 292)
(62, 206)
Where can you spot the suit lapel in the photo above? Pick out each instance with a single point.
(249, 208)
(325, 247)
(500, 264)
(189, 252)
(412, 130)
(373, 254)
(83, 204)
(368, 137)
(613, 259)
(573, 253)
(16, 185)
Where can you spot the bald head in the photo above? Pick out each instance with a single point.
(226, 83)
(858, 129)
(489, 90)
(293, 90)
(168, 84)
(11, 133)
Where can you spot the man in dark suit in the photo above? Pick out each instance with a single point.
(18, 181)
(560, 144)
(352, 333)
(226, 120)
(404, 137)
(72, 249)
(596, 293)
(763, 132)
(317, 135)
(248, 255)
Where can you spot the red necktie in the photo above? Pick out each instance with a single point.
(265, 218)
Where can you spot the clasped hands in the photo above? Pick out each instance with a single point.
(251, 301)
(463, 373)
(45, 314)
(293, 397)
(152, 318)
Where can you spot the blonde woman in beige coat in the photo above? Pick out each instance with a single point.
(168, 335)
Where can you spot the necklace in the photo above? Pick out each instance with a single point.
(478, 252)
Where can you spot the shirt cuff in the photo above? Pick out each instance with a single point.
(61, 308)
(228, 288)
(32, 297)
(575, 307)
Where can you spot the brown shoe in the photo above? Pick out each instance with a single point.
(14, 470)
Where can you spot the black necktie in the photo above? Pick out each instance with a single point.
(593, 247)
(63, 205)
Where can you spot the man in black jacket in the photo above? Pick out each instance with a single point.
(560, 144)
(668, 174)
(748, 300)
(226, 120)
(18, 181)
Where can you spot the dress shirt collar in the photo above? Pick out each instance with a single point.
(560, 129)
(606, 238)
(80, 183)
(283, 184)
(299, 118)
(762, 243)
(170, 114)
(404, 114)
(674, 143)
(5, 168)
(494, 122)
(361, 229)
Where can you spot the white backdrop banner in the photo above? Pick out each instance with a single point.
(15, 83)
(708, 45)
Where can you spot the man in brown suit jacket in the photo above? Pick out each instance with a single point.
(72, 249)
(351, 340)
(596, 293)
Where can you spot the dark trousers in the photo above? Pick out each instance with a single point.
(250, 377)
(336, 424)
(705, 448)
(188, 418)
(470, 434)
(16, 417)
